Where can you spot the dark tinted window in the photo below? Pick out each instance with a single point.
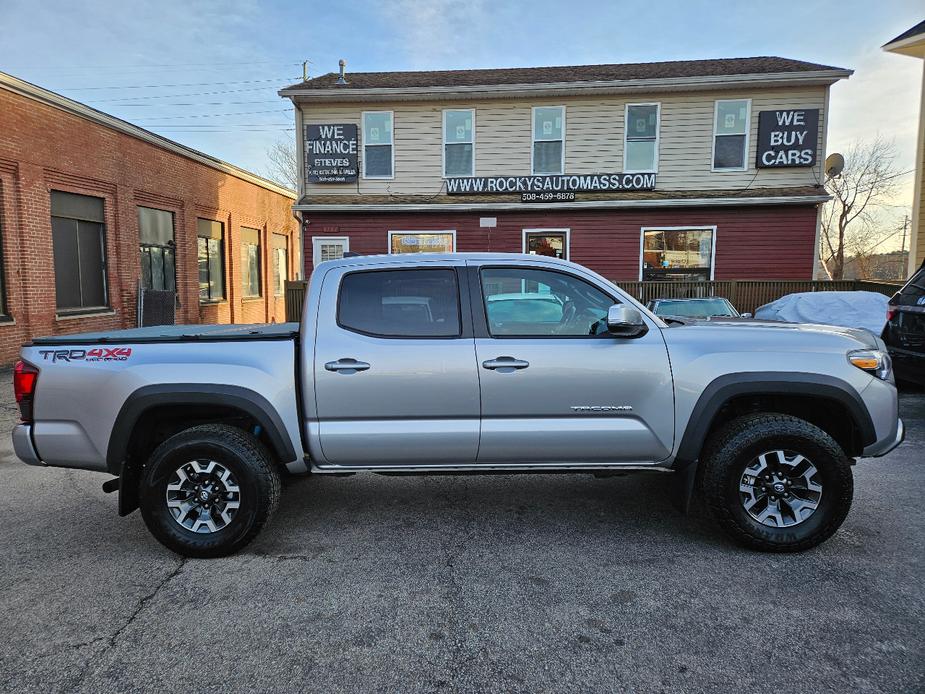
(400, 303)
(539, 303)
(914, 290)
(78, 246)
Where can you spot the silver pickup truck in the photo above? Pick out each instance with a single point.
(430, 364)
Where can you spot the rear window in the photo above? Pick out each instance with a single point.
(693, 309)
(400, 303)
(912, 293)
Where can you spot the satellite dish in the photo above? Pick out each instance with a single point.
(834, 163)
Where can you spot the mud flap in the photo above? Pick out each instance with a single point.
(129, 478)
(682, 487)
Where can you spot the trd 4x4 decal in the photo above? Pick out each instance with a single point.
(94, 354)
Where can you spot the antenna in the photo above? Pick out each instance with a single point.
(834, 163)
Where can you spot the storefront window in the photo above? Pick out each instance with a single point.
(548, 139)
(422, 242)
(548, 242)
(677, 254)
(79, 249)
(211, 254)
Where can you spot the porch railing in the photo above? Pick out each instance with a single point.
(745, 295)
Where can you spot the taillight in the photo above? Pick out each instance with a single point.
(890, 312)
(25, 376)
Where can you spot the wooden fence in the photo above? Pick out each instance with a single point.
(745, 295)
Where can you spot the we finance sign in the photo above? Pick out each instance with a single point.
(331, 153)
(564, 183)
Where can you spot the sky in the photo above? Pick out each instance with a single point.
(206, 72)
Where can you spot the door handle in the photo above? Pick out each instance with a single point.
(346, 365)
(505, 364)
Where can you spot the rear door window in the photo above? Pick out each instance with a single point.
(913, 294)
(400, 303)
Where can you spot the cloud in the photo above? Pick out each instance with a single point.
(436, 33)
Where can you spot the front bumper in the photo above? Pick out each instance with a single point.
(22, 445)
(886, 444)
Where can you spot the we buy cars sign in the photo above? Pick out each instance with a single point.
(787, 138)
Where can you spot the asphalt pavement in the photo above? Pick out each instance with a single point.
(470, 584)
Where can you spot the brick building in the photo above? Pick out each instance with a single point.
(92, 207)
(685, 170)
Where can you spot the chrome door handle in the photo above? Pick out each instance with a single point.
(346, 365)
(505, 364)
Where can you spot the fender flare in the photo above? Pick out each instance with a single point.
(724, 388)
(238, 397)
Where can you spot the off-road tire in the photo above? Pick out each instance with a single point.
(248, 460)
(730, 449)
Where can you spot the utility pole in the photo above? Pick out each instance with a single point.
(902, 250)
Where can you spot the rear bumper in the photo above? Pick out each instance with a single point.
(886, 444)
(22, 445)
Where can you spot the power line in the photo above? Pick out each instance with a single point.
(180, 84)
(140, 66)
(177, 96)
(216, 115)
(207, 103)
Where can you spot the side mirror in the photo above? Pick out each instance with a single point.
(746, 315)
(625, 321)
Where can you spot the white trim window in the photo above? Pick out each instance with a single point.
(378, 144)
(731, 124)
(553, 243)
(328, 248)
(422, 241)
(640, 138)
(547, 155)
(677, 253)
(458, 142)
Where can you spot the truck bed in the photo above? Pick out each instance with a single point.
(177, 333)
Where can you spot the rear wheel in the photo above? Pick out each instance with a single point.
(207, 491)
(776, 483)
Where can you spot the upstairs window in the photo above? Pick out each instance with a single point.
(730, 134)
(548, 139)
(250, 262)
(79, 248)
(378, 154)
(211, 252)
(158, 249)
(459, 143)
(640, 140)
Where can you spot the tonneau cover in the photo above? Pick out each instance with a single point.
(177, 333)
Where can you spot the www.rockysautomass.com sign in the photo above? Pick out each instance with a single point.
(564, 183)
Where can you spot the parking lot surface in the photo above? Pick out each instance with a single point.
(432, 584)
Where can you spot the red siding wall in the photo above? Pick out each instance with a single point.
(757, 242)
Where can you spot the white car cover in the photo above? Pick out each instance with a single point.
(846, 309)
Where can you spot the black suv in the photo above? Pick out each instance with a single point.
(904, 332)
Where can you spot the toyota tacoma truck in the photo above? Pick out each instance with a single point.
(462, 363)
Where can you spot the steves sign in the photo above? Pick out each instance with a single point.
(576, 183)
(787, 138)
(331, 153)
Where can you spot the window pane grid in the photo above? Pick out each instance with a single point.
(548, 139)
(730, 134)
(79, 251)
(377, 144)
(210, 255)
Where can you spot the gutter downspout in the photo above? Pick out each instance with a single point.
(300, 158)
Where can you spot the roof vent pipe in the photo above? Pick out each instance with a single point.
(343, 65)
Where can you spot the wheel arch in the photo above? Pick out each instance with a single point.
(144, 404)
(783, 391)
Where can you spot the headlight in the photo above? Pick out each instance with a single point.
(873, 361)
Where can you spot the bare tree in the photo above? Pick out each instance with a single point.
(869, 177)
(284, 164)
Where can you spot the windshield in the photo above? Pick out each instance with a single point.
(694, 308)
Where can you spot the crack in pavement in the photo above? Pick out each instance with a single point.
(111, 640)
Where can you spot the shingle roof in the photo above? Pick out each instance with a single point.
(563, 74)
(917, 30)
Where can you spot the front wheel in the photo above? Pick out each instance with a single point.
(776, 482)
(208, 490)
